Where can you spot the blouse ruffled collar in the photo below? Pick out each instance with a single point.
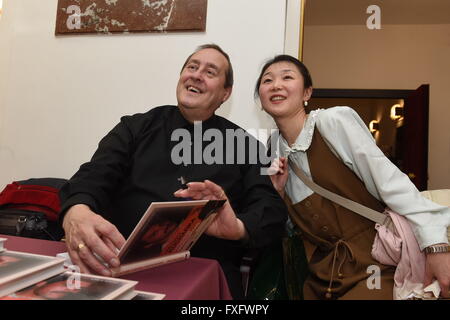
(304, 139)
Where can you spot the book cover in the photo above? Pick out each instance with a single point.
(77, 286)
(144, 295)
(2, 244)
(19, 270)
(165, 234)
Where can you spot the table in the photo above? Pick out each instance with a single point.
(192, 279)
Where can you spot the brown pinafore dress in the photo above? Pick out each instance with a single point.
(337, 241)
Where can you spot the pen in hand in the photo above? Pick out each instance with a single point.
(184, 185)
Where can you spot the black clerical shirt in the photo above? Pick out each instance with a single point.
(134, 166)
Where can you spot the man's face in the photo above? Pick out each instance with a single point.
(200, 89)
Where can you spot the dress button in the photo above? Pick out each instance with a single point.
(307, 203)
(315, 217)
(324, 228)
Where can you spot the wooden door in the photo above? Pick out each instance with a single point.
(414, 138)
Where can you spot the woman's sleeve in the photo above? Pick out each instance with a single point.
(349, 139)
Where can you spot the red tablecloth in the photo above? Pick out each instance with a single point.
(192, 279)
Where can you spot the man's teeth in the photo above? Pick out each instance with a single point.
(193, 89)
(278, 98)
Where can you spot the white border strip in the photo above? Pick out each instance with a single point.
(293, 27)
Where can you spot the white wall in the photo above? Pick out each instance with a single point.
(60, 95)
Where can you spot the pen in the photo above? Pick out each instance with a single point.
(184, 185)
(183, 182)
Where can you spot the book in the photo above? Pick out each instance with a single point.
(165, 234)
(76, 286)
(143, 295)
(2, 244)
(19, 270)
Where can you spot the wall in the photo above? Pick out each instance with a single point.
(60, 95)
(395, 57)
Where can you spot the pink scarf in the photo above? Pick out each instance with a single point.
(402, 250)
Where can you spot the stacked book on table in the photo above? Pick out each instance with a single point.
(25, 276)
(165, 234)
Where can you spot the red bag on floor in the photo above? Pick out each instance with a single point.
(31, 207)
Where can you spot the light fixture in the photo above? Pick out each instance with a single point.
(374, 126)
(396, 112)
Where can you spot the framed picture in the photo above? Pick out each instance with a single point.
(115, 16)
(293, 44)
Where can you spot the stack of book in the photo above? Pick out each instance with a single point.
(165, 234)
(25, 276)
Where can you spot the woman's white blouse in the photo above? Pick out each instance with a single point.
(350, 140)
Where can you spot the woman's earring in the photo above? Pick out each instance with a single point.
(305, 103)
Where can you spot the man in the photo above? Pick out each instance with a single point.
(135, 164)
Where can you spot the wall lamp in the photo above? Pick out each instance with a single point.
(374, 126)
(396, 112)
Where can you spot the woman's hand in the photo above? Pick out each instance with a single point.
(279, 173)
(438, 267)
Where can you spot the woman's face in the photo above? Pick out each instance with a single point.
(282, 91)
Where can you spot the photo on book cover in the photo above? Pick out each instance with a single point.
(15, 265)
(2, 244)
(19, 270)
(76, 286)
(168, 228)
(144, 295)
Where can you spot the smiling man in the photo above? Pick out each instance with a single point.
(134, 166)
(205, 83)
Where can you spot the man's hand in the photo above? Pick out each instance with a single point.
(87, 234)
(226, 225)
(279, 173)
(438, 267)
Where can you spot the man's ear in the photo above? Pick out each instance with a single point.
(227, 94)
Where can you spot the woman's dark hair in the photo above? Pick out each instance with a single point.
(285, 58)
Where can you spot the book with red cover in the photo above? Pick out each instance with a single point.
(165, 234)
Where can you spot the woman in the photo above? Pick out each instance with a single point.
(336, 150)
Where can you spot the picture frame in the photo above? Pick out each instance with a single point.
(77, 17)
(294, 36)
